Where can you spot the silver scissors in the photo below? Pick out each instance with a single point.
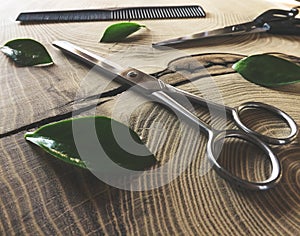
(166, 94)
(273, 21)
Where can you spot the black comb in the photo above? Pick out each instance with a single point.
(132, 13)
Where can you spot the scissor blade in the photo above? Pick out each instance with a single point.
(128, 75)
(88, 57)
(226, 31)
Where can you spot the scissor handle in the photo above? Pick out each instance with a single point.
(236, 114)
(288, 27)
(213, 148)
(275, 15)
(213, 153)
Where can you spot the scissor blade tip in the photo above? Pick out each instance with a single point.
(160, 44)
(156, 44)
(56, 42)
(59, 43)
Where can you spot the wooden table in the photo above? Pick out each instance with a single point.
(40, 195)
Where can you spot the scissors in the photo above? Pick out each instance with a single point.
(166, 94)
(273, 21)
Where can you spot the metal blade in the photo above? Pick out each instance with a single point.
(88, 57)
(226, 31)
(130, 76)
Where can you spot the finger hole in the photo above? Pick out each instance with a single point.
(271, 124)
(244, 160)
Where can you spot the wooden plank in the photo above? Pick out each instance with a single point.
(43, 196)
(40, 195)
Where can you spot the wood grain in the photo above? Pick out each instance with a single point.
(40, 195)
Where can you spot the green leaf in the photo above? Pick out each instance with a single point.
(268, 70)
(118, 32)
(58, 140)
(27, 52)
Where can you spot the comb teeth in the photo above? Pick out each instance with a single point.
(135, 13)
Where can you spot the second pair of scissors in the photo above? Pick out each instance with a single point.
(273, 21)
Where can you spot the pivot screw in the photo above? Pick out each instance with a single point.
(132, 74)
